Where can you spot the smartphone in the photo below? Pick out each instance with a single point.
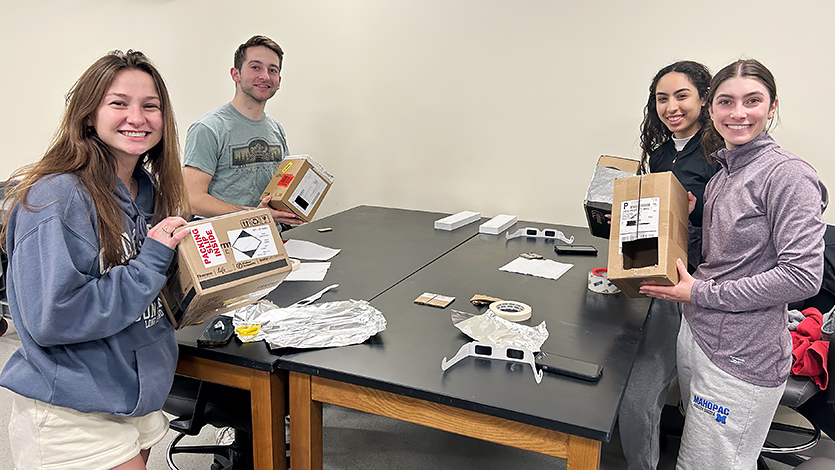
(218, 333)
(556, 364)
(587, 250)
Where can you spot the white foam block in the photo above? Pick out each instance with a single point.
(455, 221)
(497, 224)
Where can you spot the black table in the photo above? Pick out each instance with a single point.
(397, 373)
(380, 248)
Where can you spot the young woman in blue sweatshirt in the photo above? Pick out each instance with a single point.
(672, 139)
(98, 353)
(762, 248)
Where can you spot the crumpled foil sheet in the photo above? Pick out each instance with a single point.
(313, 326)
(493, 329)
(603, 183)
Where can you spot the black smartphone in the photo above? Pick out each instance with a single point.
(217, 333)
(557, 364)
(587, 250)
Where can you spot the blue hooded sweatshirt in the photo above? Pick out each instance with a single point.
(93, 339)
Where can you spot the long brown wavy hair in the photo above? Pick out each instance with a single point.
(77, 149)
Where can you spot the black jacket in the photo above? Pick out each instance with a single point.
(690, 167)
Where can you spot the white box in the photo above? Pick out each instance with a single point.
(458, 220)
(497, 224)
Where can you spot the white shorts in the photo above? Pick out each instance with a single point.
(44, 436)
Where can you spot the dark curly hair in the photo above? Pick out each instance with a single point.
(653, 131)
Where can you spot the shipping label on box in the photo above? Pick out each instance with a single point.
(638, 220)
(650, 213)
(299, 186)
(598, 201)
(227, 262)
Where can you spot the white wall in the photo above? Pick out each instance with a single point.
(487, 105)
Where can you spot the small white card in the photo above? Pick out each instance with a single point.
(301, 249)
(309, 272)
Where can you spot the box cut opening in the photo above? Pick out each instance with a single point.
(640, 253)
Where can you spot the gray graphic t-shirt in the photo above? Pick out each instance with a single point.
(241, 154)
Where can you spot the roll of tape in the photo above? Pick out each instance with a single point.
(295, 264)
(599, 282)
(510, 310)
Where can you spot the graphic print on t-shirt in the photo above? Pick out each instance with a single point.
(256, 150)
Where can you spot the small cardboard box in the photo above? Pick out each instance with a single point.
(598, 202)
(298, 186)
(649, 231)
(227, 262)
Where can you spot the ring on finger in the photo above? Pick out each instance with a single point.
(165, 229)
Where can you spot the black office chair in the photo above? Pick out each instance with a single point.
(197, 403)
(802, 394)
(798, 391)
(5, 314)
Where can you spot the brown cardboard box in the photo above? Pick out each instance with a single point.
(227, 262)
(299, 186)
(598, 197)
(649, 231)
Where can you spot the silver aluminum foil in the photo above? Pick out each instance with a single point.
(603, 183)
(490, 328)
(312, 326)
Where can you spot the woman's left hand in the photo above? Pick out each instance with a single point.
(163, 232)
(677, 293)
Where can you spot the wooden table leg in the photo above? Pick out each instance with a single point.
(305, 425)
(267, 401)
(268, 420)
(583, 454)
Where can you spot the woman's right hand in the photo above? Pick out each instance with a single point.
(163, 232)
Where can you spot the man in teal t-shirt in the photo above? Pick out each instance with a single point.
(232, 152)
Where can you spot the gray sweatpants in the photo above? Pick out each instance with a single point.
(646, 391)
(727, 419)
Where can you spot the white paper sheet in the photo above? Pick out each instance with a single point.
(309, 272)
(546, 268)
(302, 249)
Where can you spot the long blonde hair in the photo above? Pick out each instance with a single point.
(77, 149)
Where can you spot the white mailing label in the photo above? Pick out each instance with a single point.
(308, 191)
(252, 242)
(639, 221)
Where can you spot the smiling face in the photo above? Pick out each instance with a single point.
(129, 118)
(259, 76)
(740, 110)
(678, 104)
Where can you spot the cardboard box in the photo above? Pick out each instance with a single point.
(226, 263)
(298, 186)
(649, 231)
(598, 202)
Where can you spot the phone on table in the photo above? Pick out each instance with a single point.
(587, 250)
(556, 364)
(217, 333)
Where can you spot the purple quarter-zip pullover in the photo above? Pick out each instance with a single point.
(763, 248)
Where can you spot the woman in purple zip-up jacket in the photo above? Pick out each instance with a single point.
(762, 248)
